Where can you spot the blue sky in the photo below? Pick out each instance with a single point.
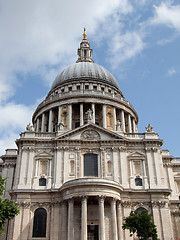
(138, 41)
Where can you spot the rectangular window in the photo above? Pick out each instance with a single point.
(91, 165)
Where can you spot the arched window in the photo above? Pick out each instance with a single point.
(42, 182)
(39, 224)
(91, 165)
(138, 181)
(140, 209)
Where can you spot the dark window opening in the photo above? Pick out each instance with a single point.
(77, 124)
(62, 90)
(91, 165)
(86, 87)
(92, 232)
(95, 88)
(39, 224)
(42, 182)
(78, 87)
(85, 53)
(70, 89)
(138, 182)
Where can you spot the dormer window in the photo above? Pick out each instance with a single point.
(42, 182)
(138, 181)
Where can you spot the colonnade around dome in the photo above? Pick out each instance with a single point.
(115, 113)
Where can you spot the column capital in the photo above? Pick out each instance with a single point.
(119, 203)
(114, 200)
(102, 198)
(83, 198)
(71, 200)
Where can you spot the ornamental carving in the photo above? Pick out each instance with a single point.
(23, 204)
(30, 128)
(149, 129)
(90, 135)
(160, 204)
(175, 213)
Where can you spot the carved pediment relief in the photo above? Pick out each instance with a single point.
(90, 134)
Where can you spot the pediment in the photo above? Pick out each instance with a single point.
(136, 155)
(43, 155)
(90, 132)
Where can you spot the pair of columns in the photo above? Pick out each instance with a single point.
(116, 219)
(130, 121)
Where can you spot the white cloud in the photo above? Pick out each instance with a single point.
(171, 71)
(8, 142)
(14, 118)
(125, 47)
(167, 14)
(41, 37)
(39, 33)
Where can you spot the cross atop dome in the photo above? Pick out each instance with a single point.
(84, 52)
(85, 34)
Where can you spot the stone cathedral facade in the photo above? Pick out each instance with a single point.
(82, 166)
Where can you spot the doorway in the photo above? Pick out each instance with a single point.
(93, 232)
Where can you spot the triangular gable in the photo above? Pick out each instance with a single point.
(136, 155)
(90, 132)
(44, 155)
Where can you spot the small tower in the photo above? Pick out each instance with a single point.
(84, 52)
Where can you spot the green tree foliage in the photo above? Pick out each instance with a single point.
(8, 210)
(141, 224)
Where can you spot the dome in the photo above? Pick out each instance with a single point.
(88, 71)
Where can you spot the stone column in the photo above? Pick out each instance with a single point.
(50, 127)
(119, 220)
(101, 218)
(166, 221)
(113, 219)
(43, 123)
(30, 168)
(81, 115)
(132, 180)
(123, 121)
(94, 113)
(64, 221)
(104, 116)
(84, 218)
(114, 116)
(134, 125)
(157, 218)
(70, 116)
(59, 114)
(146, 185)
(70, 219)
(37, 125)
(129, 123)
